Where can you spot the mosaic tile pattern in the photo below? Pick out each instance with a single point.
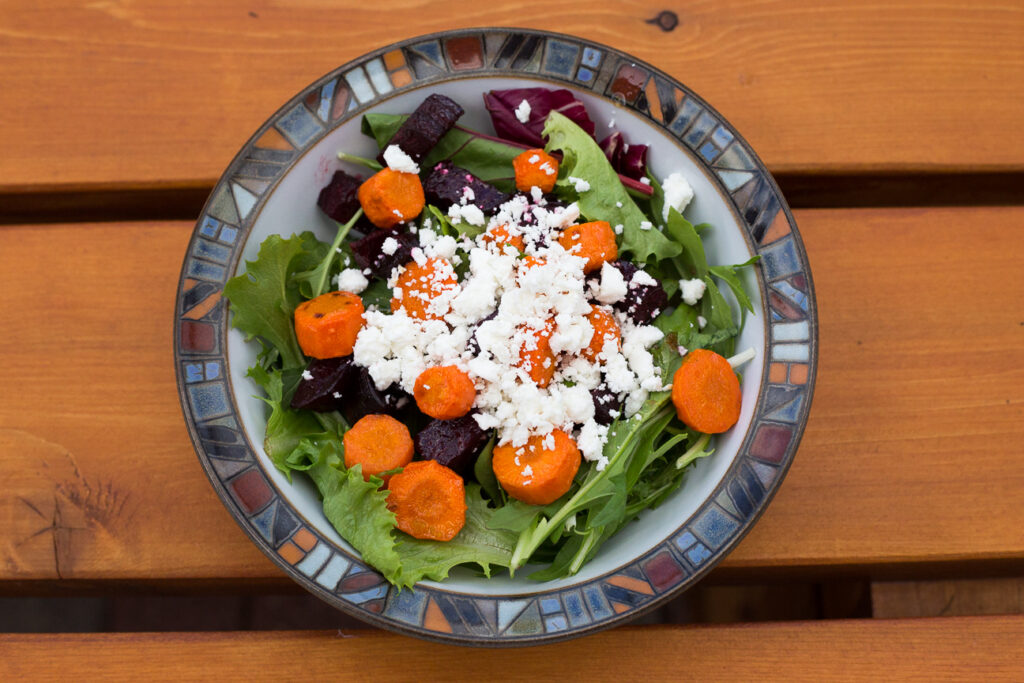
(341, 579)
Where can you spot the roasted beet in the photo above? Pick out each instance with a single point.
(338, 199)
(643, 302)
(367, 399)
(332, 382)
(452, 443)
(369, 251)
(425, 127)
(447, 184)
(605, 402)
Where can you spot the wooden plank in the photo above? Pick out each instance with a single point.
(910, 455)
(979, 648)
(962, 597)
(157, 93)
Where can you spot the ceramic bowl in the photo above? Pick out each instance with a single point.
(271, 187)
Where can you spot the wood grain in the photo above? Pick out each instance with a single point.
(979, 648)
(148, 93)
(911, 454)
(962, 597)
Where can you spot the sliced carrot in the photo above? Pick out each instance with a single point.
(379, 443)
(536, 473)
(420, 284)
(535, 168)
(536, 356)
(500, 236)
(328, 325)
(605, 328)
(594, 241)
(391, 197)
(429, 501)
(706, 392)
(444, 392)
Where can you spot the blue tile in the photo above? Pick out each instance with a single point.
(509, 610)
(212, 370)
(734, 179)
(378, 76)
(685, 540)
(705, 123)
(574, 608)
(709, 152)
(787, 413)
(721, 137)
(780, 259)
(406, 605)
(326, 97)
(556, 623)
(550, 605)
(316, 558)
(228, 235)
(299, 126)
(792, 353)
(736, 157)
(766, 473)
(687, 112)
(204, 270)
(791, 332)
(330, 575)
(431, 51)
(209, 400)
(596, 602)
(714, 527)
(264, 522)
(740, 500)
(591, 57)
(625, 596)
(584, 75)
(374, 593)
(359, 85)
(792, 293)
(209, 227)
(194, 372)
(212, 251)
(698, 554)
(560, 58)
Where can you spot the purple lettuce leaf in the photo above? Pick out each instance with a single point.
(628, 160)
(502, 106)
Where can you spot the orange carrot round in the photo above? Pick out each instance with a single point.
(536, 356)
(536, 473)
(444, 392)
(327, 326)
(391, 197)
(594, 241)
(379, 443)
(535, 168)
(500, 236)
(429, 501)
(605, 328)
(706, 392)
(420, 284)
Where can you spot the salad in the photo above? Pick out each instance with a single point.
(512, 347)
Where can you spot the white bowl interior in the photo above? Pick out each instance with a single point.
(291, 207)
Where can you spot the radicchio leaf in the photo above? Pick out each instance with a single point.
(628, 160)
(502, 105)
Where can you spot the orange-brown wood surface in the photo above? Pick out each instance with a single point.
(963, 648)
(155, 93)
(911, 454)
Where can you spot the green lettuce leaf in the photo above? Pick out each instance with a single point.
(607, 200)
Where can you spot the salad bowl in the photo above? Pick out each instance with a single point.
(271, 188)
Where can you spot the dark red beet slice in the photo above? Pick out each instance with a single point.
(643, 303)
(605, 401)
(425, 127)
(446, 184)
(338, 199)
(452, 443)
(367, 399)
(369, 251)
(332, 382)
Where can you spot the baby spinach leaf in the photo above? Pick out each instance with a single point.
(692, 257)
(315, 282)
(729, 275)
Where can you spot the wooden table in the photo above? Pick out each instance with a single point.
(895, 132)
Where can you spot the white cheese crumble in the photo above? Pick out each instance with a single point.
(646, 225)
(692, 290)
(390, 246)
(470, 213)
(701, 322)
(307, 375)
(398, 160)
(645, 180)
(612, 287)
(523, 112)
(352, 280)
(678, 194)
(579, 184)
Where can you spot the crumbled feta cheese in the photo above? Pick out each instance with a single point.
(523, 112)
(618, 204)
(546, 167)
(579, 184)
(612, 287)
(678, 194)
(307, 375)
(646, 225)
(701, 321)
(618, 229)
(642, 277)
(398, 160)
(390, 246)
(527, 471)
(470, 213)
(351, 280)
(692, 290)
(645, 180)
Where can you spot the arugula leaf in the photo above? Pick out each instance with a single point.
(608, 200)
(264, 297)
(729, 276)
(692, 258)
(476, 543)
(371, 164)
(317, 279)
(489, 159)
